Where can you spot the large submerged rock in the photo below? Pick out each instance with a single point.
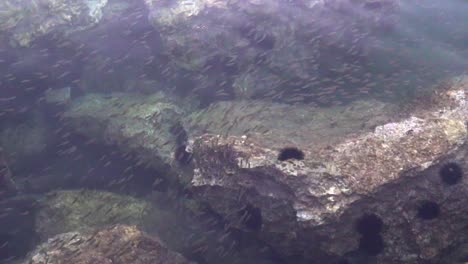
(282, 124)
(145, 125)
(119, 244)
(24, 21)
(395, 194)
(66, 211)
(304, 179)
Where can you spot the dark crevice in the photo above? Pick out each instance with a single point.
(290, 153)
(179, 133)
(369, 225)
(371, 245)
(371, 242)
(251, 218)
(182, 156)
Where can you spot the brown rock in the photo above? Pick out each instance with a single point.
(310, 206)
(119, 244)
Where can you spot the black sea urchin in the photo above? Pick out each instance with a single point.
(451, 173)
(290, 153)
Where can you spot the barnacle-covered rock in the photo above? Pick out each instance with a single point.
(117, 244)
(66, 211)
(306, 198)
(25, 21)
(295, 175)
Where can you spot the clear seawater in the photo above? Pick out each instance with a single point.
(403, 58)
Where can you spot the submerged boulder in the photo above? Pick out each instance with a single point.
(119, 244)
(24, 21)
(85, 210)
(366, 182)
(391, 195)
(140, 124)
(282, 124)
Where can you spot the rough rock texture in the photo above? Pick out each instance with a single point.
(360, 159)
(107, 118)
(458, 255)
(310, 207)
(66, 211)
(119, 244)
(282, 125)
(24, 21)
(136, 123)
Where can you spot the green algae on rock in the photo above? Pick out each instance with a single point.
(119, 244)
(84, 210)
(136, 123)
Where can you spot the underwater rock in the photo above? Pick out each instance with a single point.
(458, 255)
(138, 124)
(281, 124)
(25, 21)
(310, 203)
(119, 244)
(292, 41)
(66, 211)
(338, 164)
